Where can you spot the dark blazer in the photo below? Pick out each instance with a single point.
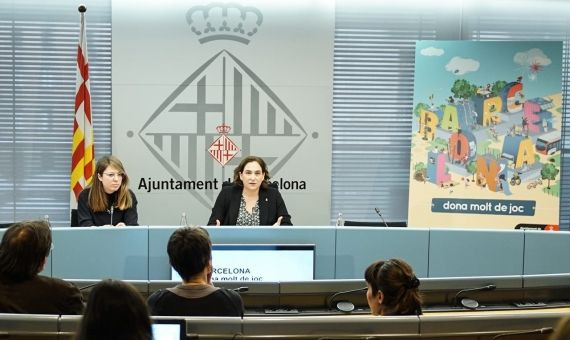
(40, 295)
(271, 206)
(88, 218)
(222, 302)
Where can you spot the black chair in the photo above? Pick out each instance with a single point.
(5, 225)
(74, 218)
(393, 224)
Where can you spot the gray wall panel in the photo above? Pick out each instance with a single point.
(546, 252)
(357, 247)
(475, 252)
(158, 266)
(97, 253)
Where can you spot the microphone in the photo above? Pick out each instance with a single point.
(241, 289)
(382, 217)
(544, 330)
(344, 306)
(112, 208)
(88, 286)
(471, 303)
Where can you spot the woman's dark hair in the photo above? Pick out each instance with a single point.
(23, 251)
(244, 162)
(397, 281)
(189, 251)
(115, 311)
(98, 196)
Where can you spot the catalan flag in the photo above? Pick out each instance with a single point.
(83, 151)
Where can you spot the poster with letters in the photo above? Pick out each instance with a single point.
(198, 85)
(486, 136)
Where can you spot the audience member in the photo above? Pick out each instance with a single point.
(190, 253)
(392, 288)
(23, 253)
(115, 311)
(108, 201)
(250, 201)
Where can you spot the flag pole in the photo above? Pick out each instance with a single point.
(83, 150)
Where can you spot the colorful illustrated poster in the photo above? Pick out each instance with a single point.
(486, 134)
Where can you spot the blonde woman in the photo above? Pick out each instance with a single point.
(108, 201)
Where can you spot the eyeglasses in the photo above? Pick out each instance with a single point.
(113, 175)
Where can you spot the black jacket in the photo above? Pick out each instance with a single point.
(40, 295)
(222, 302)
(271, 206)
(88, 218)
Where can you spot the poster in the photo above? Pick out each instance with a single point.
(486, 134)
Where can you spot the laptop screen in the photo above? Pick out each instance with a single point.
(261, 262)
(172, 329)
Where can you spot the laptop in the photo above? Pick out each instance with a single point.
(168, 329)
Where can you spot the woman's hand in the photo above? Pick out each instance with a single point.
(278, 223)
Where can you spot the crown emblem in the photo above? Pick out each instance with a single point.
(218, 21)
(223, 129)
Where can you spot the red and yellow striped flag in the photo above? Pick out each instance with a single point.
(83, 151)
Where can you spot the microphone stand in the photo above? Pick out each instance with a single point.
(331, 298)
(544, 330)
(382, 217)
(470, 303)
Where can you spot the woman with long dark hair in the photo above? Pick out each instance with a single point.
(108, 201)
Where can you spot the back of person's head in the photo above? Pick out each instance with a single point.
(398, 284)
(115, 311)
(190, 251)
(562, 330)
(23, 251)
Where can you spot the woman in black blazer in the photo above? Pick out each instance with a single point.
(250, 200)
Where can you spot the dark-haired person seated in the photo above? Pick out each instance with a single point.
(190, 253)
(250, 201)
(108, 201)
(23, 252)
(392, 288)
(115, 311)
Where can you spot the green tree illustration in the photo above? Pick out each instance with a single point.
(498, 86)
(419, 108)
(549, 172)
(463, 89)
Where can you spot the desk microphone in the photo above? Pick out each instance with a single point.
(112, 208)
(545, 330)
(241, 289)
(382, 217)
(471, 303)
(344, 306)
